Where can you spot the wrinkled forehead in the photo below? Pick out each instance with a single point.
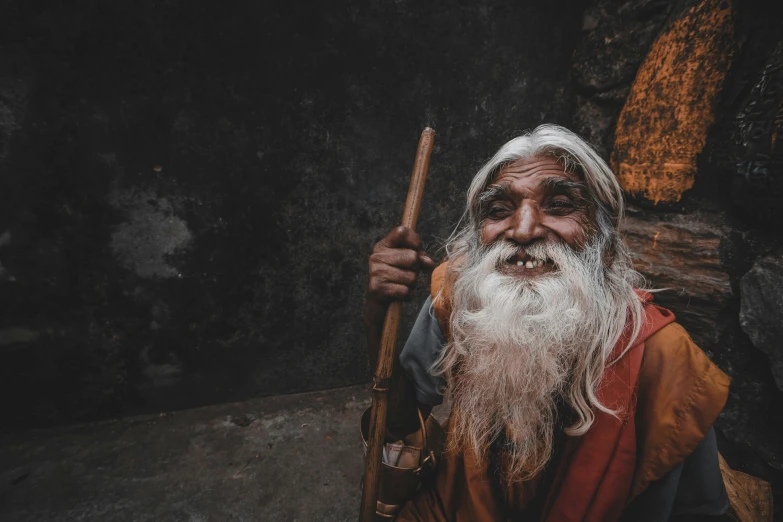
(534, 168)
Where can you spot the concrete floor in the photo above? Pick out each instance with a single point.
(286, 458)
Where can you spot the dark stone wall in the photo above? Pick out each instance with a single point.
(190, 189)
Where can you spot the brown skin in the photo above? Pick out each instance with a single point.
(533, 200)
(536, 200)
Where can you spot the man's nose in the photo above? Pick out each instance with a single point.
(526, 225)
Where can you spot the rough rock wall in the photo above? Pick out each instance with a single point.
(714, 241)
(617, 37)
(664, 122)
(190, 189)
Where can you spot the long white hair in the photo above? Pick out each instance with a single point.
(518, 346)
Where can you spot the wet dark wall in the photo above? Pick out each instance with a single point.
(190, 189)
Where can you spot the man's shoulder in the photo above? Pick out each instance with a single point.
(676, 369)
(671, 353)
(438, 278)
(441, 296)
(671, 341)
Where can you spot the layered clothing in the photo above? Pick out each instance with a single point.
(667, 394)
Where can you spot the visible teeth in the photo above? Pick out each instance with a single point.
(532, 263)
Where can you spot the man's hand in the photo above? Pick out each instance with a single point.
(394, 265)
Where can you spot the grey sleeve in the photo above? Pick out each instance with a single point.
(694, 488)
(419, 353)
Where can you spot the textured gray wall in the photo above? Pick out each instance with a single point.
(190, 189)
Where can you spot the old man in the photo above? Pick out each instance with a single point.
(574, 397)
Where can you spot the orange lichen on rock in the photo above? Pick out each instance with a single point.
(663, 125)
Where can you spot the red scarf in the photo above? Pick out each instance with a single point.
(593, 480)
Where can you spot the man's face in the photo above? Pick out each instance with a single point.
(535, 200)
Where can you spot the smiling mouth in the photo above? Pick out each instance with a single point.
(527, 264)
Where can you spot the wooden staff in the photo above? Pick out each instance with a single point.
(383, 372)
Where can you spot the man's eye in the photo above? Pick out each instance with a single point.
(497, 212)
(561, 205)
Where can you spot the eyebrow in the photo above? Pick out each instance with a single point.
(494, 192)
(576, 189)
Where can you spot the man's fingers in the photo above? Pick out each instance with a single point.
(402, 247)
(381, 275)
(405, 277)
(426, 261)
(394, 263)
(396, 257)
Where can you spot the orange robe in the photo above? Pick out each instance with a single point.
(671, 394)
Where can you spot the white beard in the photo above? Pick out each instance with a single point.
(519, 346)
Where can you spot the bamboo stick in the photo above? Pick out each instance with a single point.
(383, 371)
